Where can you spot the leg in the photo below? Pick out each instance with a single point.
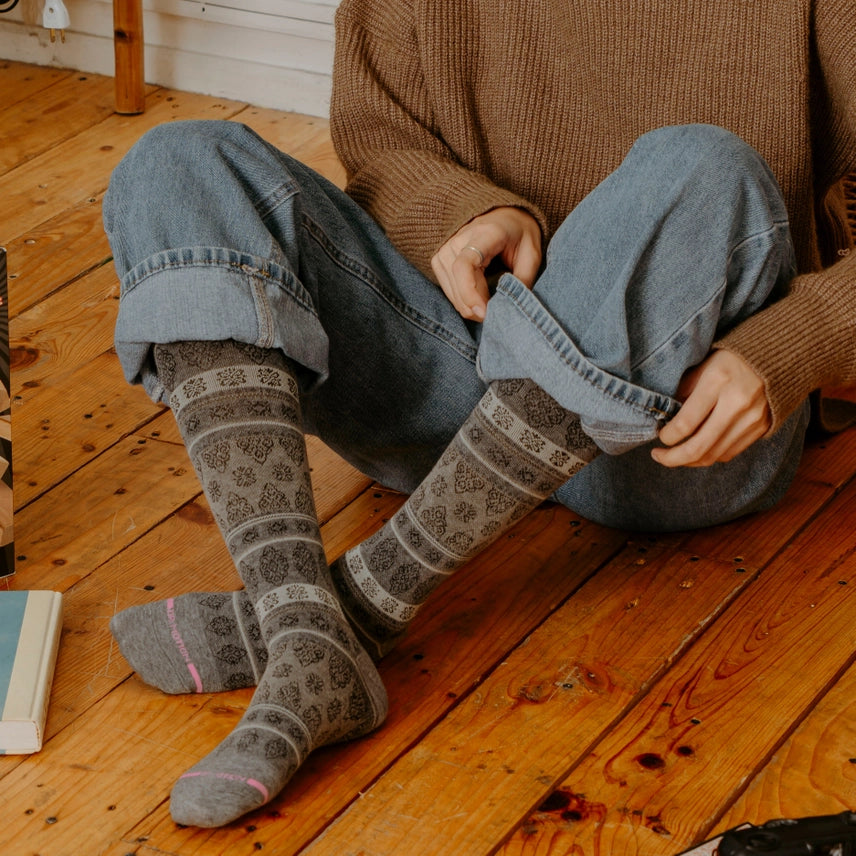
(238, 411)
(516, 447)
(300, 251)
(688, 237)
(241, 242)
(629, 300)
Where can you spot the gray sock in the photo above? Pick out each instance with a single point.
(237, 408)
(514, 450)
(195, 642)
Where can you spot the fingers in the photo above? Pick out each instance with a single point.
(469, 248)
(460, 273)
(720, 438)
(725, 412)
(468, 285)
(509, 234)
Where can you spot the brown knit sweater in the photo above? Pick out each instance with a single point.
(444, 109)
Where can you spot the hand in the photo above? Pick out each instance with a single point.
(510, 234)
(724, 411)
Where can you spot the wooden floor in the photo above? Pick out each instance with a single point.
(577, 690)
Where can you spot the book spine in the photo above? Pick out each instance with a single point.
(46, 668)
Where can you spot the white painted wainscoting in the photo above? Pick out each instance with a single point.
(272, 53)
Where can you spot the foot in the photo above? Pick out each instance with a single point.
(197, 642)
(320, 687)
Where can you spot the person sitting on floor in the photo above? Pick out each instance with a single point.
(586, 253)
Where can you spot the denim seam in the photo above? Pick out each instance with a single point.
(268, 204)
(776, 226)
(671, 336)
(646, 410)
(264, 317)
(353, 267)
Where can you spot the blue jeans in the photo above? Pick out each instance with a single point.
(218, 235)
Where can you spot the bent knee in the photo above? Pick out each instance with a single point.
(697, 137)
(709, 149)
(712, 159)
(176, 159)
(182, 145)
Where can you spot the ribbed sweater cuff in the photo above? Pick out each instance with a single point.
(803, 342)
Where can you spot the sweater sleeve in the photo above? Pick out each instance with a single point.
(807, 340)
(400, 168)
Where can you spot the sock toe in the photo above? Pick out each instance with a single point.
(210, 799)
(156, 654)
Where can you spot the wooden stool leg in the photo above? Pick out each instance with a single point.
(128, 43)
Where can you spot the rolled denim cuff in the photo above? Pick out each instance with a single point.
(203, 294)
(521, 338)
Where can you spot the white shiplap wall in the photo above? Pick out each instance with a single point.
(272, 53)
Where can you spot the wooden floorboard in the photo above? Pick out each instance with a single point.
(576, 690)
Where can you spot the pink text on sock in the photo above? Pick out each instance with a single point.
(179, 642)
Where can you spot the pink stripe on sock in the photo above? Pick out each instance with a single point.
(259, 787)
(194, 673)
(179, 642)
(230, 777)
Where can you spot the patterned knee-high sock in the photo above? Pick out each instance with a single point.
(516, 447)
(238, 412)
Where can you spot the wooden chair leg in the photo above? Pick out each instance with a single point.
(128, 43)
